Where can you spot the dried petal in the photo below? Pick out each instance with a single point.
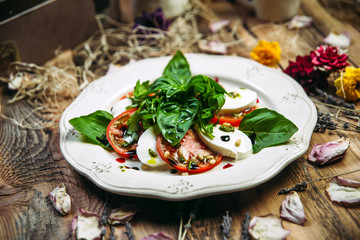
(292, 209)
(215, 47)
(344, 191)
(60, 199)
(15, 81)
(121, 215)
(337, 39)
(324, 153)
(300, 22)
(216, 26)
(158, 236)
(86, 225)
(267, 227)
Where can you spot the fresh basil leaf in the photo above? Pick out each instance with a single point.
(270, 128)
(174, 119)
(141, 89)
(178, 69)
(134, 127)
(93, 126)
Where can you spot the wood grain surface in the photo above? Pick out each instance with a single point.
(31, 163)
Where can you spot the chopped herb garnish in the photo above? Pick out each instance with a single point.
(152, 153)
(225, 128)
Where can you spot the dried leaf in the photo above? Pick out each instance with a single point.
(158, 236)
(86, 225)
(60, 199)
(344, 191)
(324, 153)
(267, 227)
(292, 209)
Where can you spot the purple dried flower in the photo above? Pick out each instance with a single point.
(155, 19)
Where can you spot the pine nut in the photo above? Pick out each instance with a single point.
(226, 124)
(180, 151)
(210, 157)
(201, 157)
(212, 161)
(238, 142)
(193, 159)
(184, 174)
(166, 154)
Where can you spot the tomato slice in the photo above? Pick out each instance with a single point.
(192, 156)
(115, 133)
(234, 121)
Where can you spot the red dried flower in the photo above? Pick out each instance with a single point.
(329, 58)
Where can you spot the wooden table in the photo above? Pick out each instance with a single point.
(31, 164)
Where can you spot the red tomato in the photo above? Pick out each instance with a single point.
(234, 121)
(115, 133)
(127, 95)
(192, 156)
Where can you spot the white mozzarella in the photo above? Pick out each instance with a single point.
(234, 148)
(147, 141)
(120, 106)
(245, 99)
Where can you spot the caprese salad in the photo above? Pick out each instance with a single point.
(188, 122)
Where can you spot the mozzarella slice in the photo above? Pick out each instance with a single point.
(147, 141)
(120, 106)
(241, 100)
(228, 143)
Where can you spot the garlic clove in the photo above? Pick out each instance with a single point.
(60, 199)
(292, 209)
(267, 227)
(121, 215)
(344, 191)
(86, 225)
(324, 153)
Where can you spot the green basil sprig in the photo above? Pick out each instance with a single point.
(267, 128)
(94, 126)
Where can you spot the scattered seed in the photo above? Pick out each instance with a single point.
(193, 159)
(226, 124)
(225, 138)
(184, 174)
(201, 157)
(212, 161)
(210, 157)
(166, 154)
(238, 142)
(180, 151)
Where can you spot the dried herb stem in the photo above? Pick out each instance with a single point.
(302, 186)
(335, 106)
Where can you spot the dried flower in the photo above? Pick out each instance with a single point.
(266, 53)
(158, 236)
(86, 225)
(344, 191)
(121, 215)
(338, 39)
(328, 58)
(303, 71)
(299, 187)
(267, 227)
(155, 19)
(215, 47)
(217, 25)
(348, 85)
(292, 209)
(60, 199)
(245, 227)
(226, 226)
(300, 22)
(324, 153)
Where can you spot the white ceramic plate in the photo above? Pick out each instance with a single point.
(276, 91)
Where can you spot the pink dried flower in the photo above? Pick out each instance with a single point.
(121, 215)
(324, 153)
(344, 191)
(328, 58)
(86, 225)
(292, 209)
(158, 236)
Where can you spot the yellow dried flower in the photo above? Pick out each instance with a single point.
(266, 53)
(348, 85)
